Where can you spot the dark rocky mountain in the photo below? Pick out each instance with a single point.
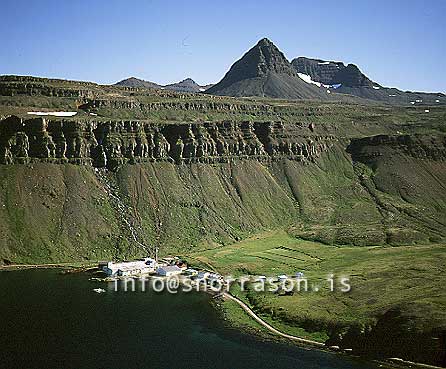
(351, 76)
(332, 73)
(264, 71)
(186, 85)
(348, 79)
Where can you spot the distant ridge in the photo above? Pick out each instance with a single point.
(136, 82)
(348, 79)
(264, 71)
(186, 85)
(332, 73)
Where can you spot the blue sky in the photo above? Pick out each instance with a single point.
(396, 43)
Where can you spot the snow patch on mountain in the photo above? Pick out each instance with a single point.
(307, 78)
(54, 113)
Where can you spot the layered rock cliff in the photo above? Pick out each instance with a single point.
(332, 73)
(370, 150)
(113, 143)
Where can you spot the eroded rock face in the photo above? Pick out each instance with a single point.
(332, 73)
(369, 149)
(113, 143)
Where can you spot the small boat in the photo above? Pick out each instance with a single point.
(99, 290)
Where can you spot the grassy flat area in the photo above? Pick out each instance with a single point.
(382, 277)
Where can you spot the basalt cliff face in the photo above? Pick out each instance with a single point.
(377, 149)
(114, 143)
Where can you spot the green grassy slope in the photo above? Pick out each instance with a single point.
(57, 213)
(408, 280)
(54, 213)
(381, 277)
(51, 212)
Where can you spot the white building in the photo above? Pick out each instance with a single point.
(129, 268)
(168, 271)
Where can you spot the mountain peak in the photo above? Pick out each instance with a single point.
(265, 41)
(270, 58)
(259, 61)
(137, 83)
(186, 85)
(265, 71)
(187, 80)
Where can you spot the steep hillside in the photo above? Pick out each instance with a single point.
(406, 176)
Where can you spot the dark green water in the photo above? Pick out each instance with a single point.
(48, 320)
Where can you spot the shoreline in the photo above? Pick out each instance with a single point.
(280, 337)
(268, 332)
(269, 327)
(80, 266)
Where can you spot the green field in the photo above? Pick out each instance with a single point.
(410, 278)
